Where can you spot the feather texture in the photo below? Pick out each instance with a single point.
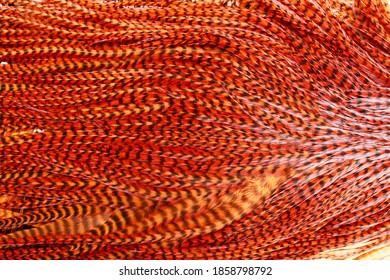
(243, 129)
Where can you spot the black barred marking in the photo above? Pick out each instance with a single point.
(194, 130)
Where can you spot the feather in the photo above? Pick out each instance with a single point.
(242, 129)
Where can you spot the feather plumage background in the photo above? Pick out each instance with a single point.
(194, 130)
